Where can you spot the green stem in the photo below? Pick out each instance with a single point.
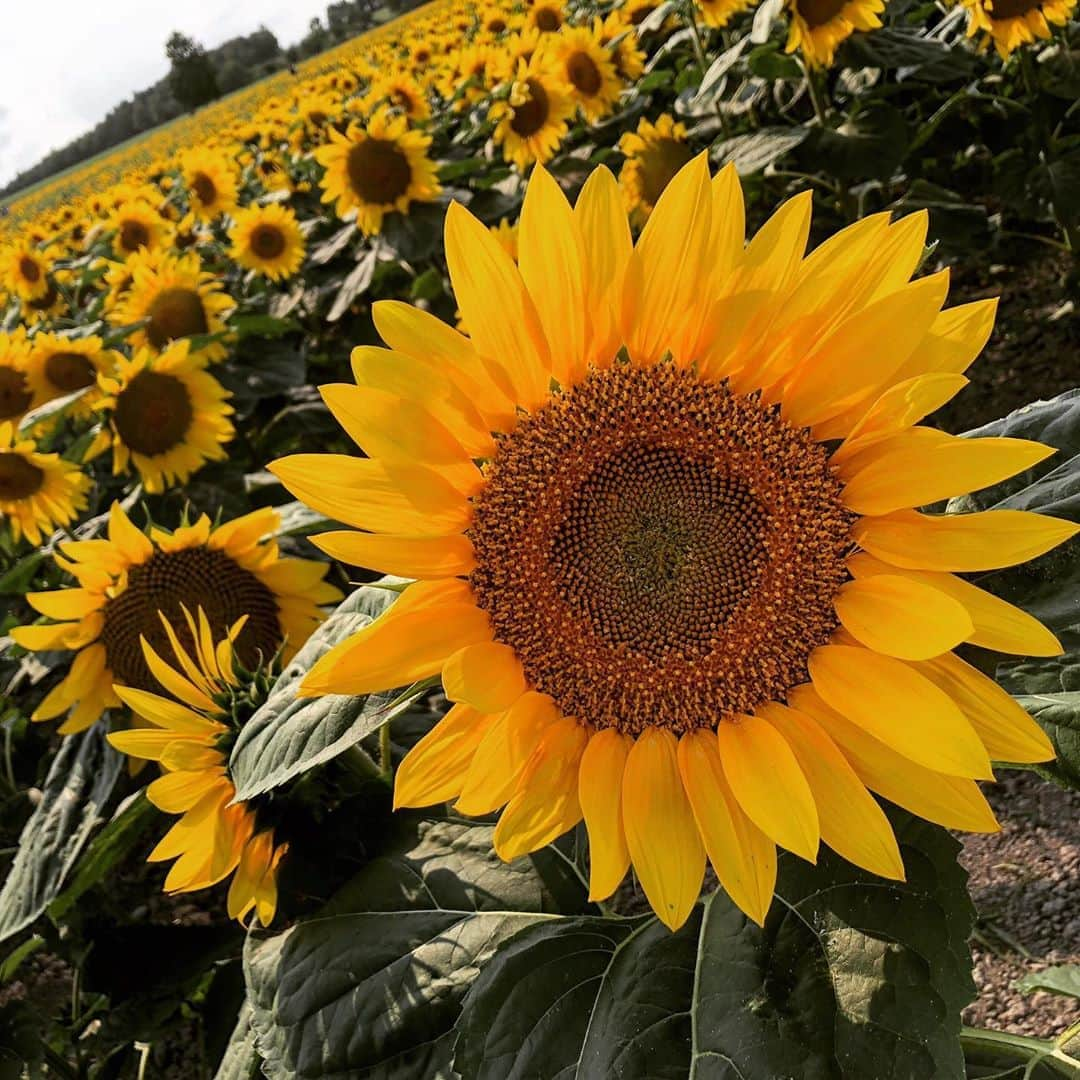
(816, 97)
(386, 763)
(360, 764)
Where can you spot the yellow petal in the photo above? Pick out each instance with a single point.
(545, 803)
(987, 540)
(768, 783)
(165, 713)
(488, 676)
(134, 544)
(900, 617)
(902, 708)
(65, 604)
(600, 780)
(852, 823)
(407, 556)
(956, 337)
(149, 743)
(661, 833)
(728, 224)
(743, 857)
(178, 792)
(172, 681)
(43, 638)
(772, 257)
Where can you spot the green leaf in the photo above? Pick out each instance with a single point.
(262, 326)
(241, 1060)
(852, 976)
(18, 578)
(893, 48)
(752, 153)
(1063, 979)
(958, 224)
(768, 62)
(80, 781)
(51, 410)
(289, 735)
(327, 250)
(13, 960)
(356, 283)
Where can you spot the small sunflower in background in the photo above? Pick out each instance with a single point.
(580, 59)
(190, 733)
(532, 123)
(1012, 23)
(547, 16)
(210, 178)
(16, 394)
(136, 226)
(819, 26)
(60, 365)
(628, 58)
(38, 492)
(272, 173)
(377, 169)
(165, 415)
(232, 570)
(179, 299)
(718, 13)
(670, 568)
(403, 93)
(24, 271)
(654, 155)
(48, 306)
(268, 240)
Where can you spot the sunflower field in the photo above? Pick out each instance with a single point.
(487, 589)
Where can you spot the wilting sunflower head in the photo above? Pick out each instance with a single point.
(819, 26)
(190, 733)
(166, 415)
(654, 155)
(1008, 24)
(268, 240)
(38, 492)
(59, 366)
(532, 123)
(376, 169)
(126, 579)
(210, 178)
(661, 506)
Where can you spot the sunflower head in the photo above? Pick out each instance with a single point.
(818, 27)
(137, 226)
(60, 365)
(532, 123)
(16, 394)
(268, 240)
(24, 272)
(1008, 24)
(585, 65)
(210, 178)
(654, 155)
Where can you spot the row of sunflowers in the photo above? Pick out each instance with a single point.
(631, 554)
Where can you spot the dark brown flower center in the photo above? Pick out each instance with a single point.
(496, 25)
(546, 20)
(532, 115)
(15, 396)
(29, 269)
(267, 241)
(205, 189)
(640, 13)
(195, 577)
(658, 550)
(317, 117)
(134, 235)
(817, 13)
(1011, 9)
(379, 171)
(69, 371)
(153, 413)
(176, 313)
(43, 303)
(582, 71)
(660, 161)
(19, 478)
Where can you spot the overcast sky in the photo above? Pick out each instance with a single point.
(65, 63)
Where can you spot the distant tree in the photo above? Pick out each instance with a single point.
(191, 77)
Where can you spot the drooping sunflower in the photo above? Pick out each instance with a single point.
(662, 597)
(165, 414)
(1012, 23)
(38, 492)
(718, 13)
(585, 65)
(190, 734)
(24, 271)
(137, 226)
(819, 26)
(210, 178)
(16, 394)
(61, 365)
(377, 169)
(180, 300)
(654, 155)
(124, 581)
(532, 123)
(268, 240)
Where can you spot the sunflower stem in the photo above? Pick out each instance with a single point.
(816, 97)
(386, 764)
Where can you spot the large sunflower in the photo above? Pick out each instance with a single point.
(532, 123)
(16, 394)
(166, 415)
(124, 581)
(377, 169)
(190, 734)
(1012, 23)
(660, 595)
(654, 155)
(178, 298)
(268, 240)
(819, 26)
(61, 365)
(38, 492)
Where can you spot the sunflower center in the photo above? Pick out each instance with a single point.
(153, 413)
(660, 161)
(378, 170)
(29, 269)
(659, 551)
(532, 115)
(640, 13)
(15, 396)
(205, 189)
(267, 241)
(69, 371)
(582, 71)
(1011, 9)
(317, 117)
(194, 577)
(134, 235)
(176, 313)
(19, 478)
(547, 20)
(43, 303)
(496, 25)
(817, 13)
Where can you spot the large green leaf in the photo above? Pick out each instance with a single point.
(289, 735)
(852, 976)
(80, 782)
(241, 1060)
(1063, 979)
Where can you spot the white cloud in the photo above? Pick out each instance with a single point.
(66, 62)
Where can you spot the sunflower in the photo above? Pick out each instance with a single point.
(532, 123)
(654, 155)
(136, 226)
(229, 571)
(38, 492)
(61, 365)
(166, 415)
(179, 299)
(47, 306)
(376, 170)
(718, 13)
(16, 394)
(401, 92)
(190, 733)
(585, 65)
(547, 16)
(24, 272)
(819, 26)
(629, 60)
(1012, 23)
(267, 239)
(660, 506)
(211, 182)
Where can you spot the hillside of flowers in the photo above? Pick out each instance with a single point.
(486, 588)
